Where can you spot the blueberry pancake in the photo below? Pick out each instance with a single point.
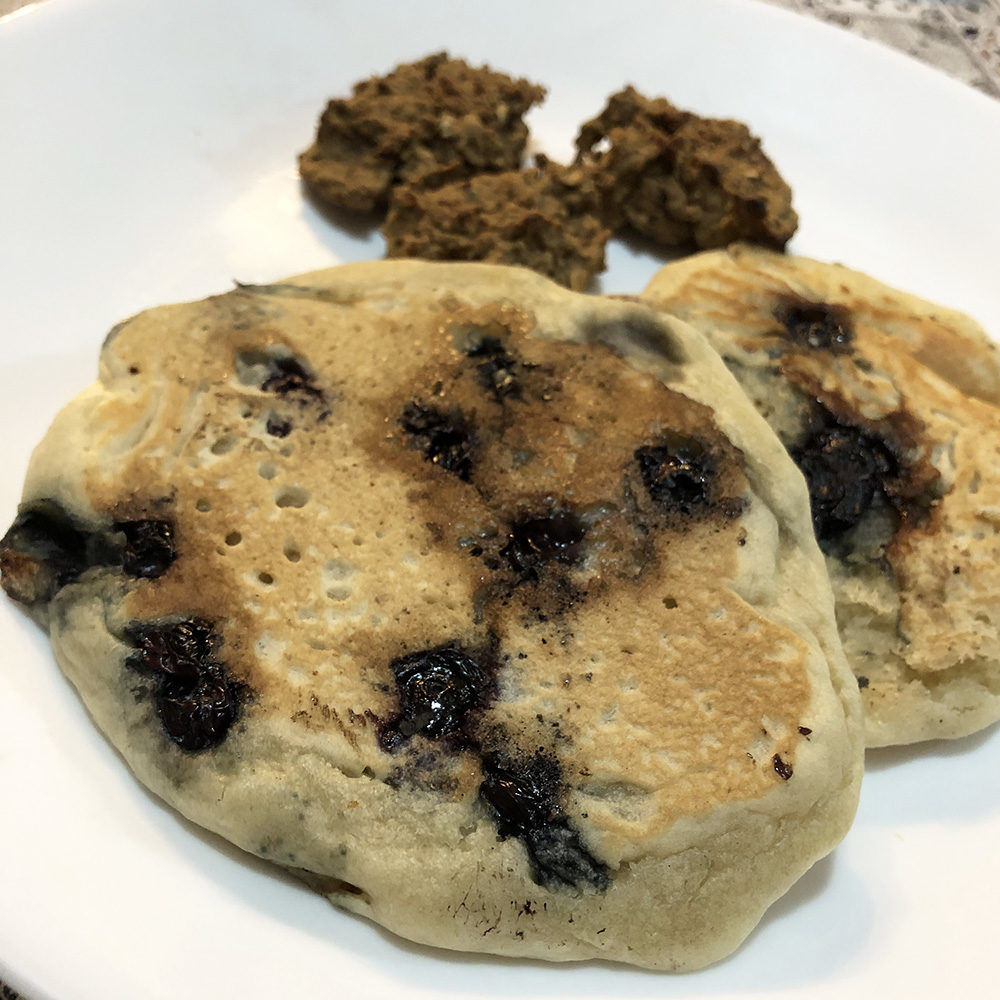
(490, 609)
(888, 405)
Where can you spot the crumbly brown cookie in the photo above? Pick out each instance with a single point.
(492, 610)
(547, 218)
(681, 180)
(424, 124)
(887, 403)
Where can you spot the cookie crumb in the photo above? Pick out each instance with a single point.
(424, 124)
(549, 218)
(680, 179)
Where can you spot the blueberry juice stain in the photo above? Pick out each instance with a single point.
(440, 691)
(521, 794)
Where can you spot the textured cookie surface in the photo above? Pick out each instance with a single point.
(683, 180)
(492, 610)
(546, 218)
(423, 124)
(887, 403)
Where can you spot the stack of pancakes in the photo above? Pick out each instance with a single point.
(499, 613)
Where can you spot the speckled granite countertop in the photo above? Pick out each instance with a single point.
(961, 37)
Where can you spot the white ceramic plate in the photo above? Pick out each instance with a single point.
(147, 153)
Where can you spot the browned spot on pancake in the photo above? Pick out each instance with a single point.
(560, 449)
(949, 344)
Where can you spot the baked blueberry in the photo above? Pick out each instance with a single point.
(149, 547)
(445, 438)
(678, 473)
(437, 688)
(845, 469)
